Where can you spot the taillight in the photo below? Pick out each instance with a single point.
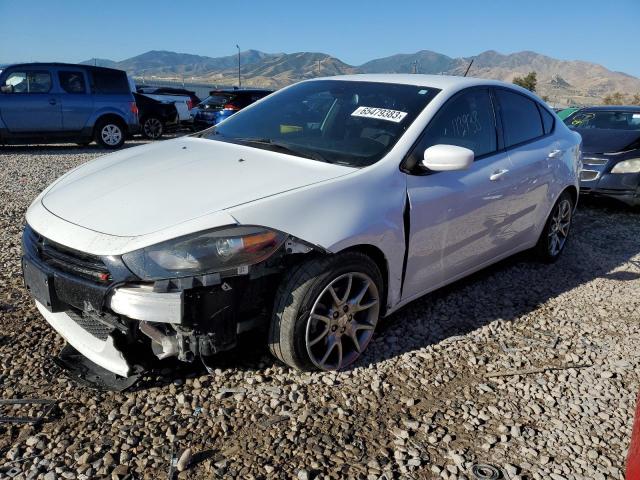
(134, 108)
(189, 104)
(230, 106)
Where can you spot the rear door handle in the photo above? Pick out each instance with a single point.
(555, 153)
(52, 101)
(498, 174)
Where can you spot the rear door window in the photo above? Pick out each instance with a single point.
(29, 81)
(109, 81)
(521, 120)
(72, 82)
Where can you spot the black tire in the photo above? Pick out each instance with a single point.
(110, 133)
(152, 128)
(303, 288)
(544, 248)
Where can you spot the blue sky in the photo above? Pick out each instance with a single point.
(601, 31)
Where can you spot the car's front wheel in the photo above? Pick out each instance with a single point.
(326, 311)
(152, 128)
(110, 133)
(556, 231)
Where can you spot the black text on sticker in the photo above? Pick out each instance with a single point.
(379, 113)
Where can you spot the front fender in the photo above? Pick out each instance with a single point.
(364, 208)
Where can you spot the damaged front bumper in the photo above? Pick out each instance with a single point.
(123, 324)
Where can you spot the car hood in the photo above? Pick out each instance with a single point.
(146, 189)
(595, 140)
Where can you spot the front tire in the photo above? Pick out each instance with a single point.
(110, 133)
(326, 311)
(152, 128)
(556, 231)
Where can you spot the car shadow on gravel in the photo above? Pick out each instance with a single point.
(604, 237)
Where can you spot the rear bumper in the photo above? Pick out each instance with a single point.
(624, 187)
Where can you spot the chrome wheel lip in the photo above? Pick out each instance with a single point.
(152, 128)
(559, 227)
(348, 322)
(111, 134)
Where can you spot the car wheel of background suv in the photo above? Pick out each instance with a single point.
(326, 311)
(152, 128)
(110, 133)
(556, 231)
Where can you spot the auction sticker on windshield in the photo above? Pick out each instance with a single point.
(395, 116)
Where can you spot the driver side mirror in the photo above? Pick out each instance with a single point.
(441, 158)
(6, 89)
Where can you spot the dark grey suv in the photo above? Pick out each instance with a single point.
(58, 102)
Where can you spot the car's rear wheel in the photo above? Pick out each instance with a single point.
(326, 311)
(556, 231)
(110, 133)
(152, 128)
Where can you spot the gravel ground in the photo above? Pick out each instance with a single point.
(530, 368)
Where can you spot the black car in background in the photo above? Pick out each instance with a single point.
(611, 151)
(155, 117)
(221, 104)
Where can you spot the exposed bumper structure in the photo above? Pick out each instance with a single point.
(101, 352)
(142, 303)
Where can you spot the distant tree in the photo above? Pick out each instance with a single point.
(615, 98)
(529, 81)
(545, 98)
(636, 99)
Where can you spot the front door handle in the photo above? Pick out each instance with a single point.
(498, 174)
(555, 153)
(52, 101)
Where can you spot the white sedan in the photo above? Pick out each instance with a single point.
(314, 212)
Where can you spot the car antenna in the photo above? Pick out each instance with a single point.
(469, 67)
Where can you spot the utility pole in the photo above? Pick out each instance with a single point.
(239, 80)
(318, 67)
(414, 66)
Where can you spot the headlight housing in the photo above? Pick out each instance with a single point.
(204, 252)
(627, 166)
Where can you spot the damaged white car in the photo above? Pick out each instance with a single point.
(312, 213)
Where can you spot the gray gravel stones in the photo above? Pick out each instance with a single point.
(417, 405)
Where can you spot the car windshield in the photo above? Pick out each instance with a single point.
(346, 122)
(609, 120)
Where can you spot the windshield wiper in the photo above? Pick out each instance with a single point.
(283, 147)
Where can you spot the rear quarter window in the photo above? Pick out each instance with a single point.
(521, 120)
(109, 82)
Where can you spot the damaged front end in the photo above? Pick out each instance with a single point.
(124, 312)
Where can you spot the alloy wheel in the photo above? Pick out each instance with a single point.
(342, 321)
(153, 128)
(559, 227)
(111, 134)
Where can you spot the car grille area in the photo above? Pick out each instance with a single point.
(91, 325)
(65, 259)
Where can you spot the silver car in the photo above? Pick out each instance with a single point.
(314, 212)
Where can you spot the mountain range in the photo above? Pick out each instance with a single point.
(561, 81)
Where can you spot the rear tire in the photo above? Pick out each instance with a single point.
(555, 234)
(152, 128)
(110, 133)
(326, 311)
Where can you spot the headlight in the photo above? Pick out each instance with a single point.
(204, 252)
(627, 166)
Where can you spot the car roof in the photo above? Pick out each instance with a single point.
(442, 82)
(240, 90)
(613, 108)
(60, 64)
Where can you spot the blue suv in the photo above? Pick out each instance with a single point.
(58, 102)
